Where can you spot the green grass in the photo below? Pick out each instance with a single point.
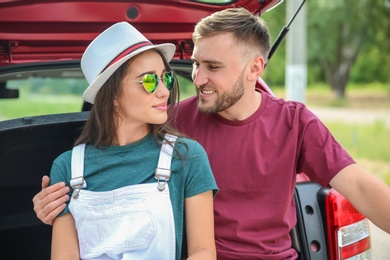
(386, 179)
(367, 144)
(38, 104)
(363, 141)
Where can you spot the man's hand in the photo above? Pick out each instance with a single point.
(50, 201)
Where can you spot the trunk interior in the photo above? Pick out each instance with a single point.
(28, 147)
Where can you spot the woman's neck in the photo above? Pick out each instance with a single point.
(127, 134)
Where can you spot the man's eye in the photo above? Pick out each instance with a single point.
(214, 67)
(195, 65)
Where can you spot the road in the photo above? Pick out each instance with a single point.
(354, 116)
(380, 243)
(380, 240)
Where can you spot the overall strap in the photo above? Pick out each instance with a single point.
(163, 170)
(77, 166)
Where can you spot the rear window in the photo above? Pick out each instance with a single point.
(42, 92)
(53, 91)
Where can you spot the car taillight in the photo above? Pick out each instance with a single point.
(348, 230)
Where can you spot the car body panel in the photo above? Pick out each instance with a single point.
(33, 30)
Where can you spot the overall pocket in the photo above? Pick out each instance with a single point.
(124, 225)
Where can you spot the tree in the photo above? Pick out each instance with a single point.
(337, 31)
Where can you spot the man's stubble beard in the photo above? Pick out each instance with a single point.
(225, 100)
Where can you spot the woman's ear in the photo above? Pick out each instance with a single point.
(256, 68)
(116, 103)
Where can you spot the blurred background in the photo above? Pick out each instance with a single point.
(342, 50)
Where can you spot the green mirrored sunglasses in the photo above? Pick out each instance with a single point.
(151, 81)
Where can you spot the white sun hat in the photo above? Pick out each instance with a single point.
(110, 49)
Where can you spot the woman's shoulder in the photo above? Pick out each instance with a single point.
(64, 157)
(188, 141)
(191, 145)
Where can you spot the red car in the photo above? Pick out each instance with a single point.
(41, 43)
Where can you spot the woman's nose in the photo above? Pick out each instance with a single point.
(162, 90)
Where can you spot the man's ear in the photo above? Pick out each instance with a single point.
(256, 68)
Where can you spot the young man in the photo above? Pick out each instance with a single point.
(256, 144)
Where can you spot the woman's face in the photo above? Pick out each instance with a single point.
(135, 105)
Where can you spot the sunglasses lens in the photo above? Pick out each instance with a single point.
(168, 79)
(150, 82)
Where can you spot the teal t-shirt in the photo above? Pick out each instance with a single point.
(119, 166)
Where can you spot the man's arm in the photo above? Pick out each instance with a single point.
(369, 195)
(50, 201)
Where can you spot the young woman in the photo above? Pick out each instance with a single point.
(138, 186)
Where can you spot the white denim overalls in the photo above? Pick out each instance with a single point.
(133, 222)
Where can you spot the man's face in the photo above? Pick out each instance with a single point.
(218, 73)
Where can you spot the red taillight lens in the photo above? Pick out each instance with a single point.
(348, 230)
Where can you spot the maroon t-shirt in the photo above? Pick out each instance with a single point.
(255, 162)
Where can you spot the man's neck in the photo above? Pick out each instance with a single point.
(243, 109)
